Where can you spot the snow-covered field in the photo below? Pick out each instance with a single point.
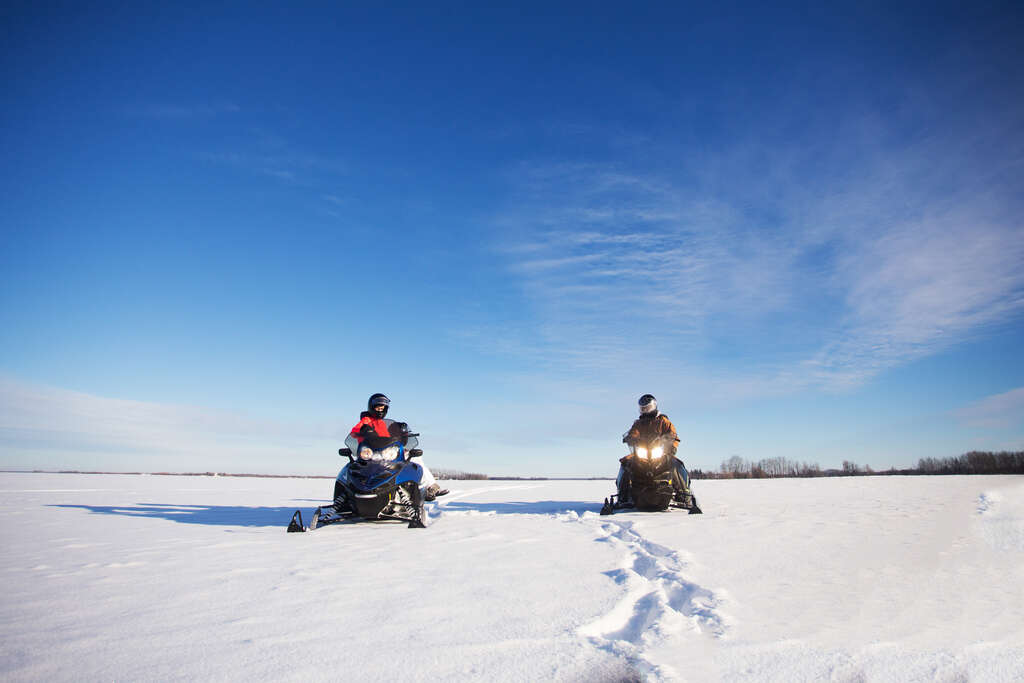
(135, 578)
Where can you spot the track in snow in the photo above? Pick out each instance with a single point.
(660, 604)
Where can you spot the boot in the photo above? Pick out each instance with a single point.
(683, 496)
(681, 490)
(625, 493)
(433, 491)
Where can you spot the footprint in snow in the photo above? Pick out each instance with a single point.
(660, 601)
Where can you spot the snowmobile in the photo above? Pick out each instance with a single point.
(649, 473)
(377, 483)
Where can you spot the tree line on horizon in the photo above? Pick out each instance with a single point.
(735, 467)
(449, 474)
(975, 462)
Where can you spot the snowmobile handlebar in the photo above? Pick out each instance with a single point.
(660, 439)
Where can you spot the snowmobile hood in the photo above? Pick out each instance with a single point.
(371, 475)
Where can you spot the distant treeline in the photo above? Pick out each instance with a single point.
(185, 474)
(551, 478)
(441, 473)
(975, 462)
(438, 473)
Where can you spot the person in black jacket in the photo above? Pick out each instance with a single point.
(650, 425)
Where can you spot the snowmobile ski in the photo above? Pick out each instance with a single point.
(326, 515)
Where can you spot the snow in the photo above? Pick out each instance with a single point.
(122, 577)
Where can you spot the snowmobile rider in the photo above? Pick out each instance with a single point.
(373, 429)
(650, 425)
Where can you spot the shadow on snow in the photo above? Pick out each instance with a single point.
(238, 515)
(537, 507)
(214, 515)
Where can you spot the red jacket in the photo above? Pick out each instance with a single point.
(379, 425)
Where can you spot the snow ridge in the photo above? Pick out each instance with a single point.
(661, 604)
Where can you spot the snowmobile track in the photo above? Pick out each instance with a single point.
(660, 601)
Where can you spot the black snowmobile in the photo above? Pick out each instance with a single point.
(647, 484)
(381, 481)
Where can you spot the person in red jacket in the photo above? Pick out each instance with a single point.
(372, 424)
(373, 430)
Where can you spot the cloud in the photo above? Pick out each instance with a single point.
(65, 427)
(820, 268)
(288, 165)
(610, 258)
(921, 287)
(1001, 411)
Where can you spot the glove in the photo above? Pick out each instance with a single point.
(398, 430)
(366, 430)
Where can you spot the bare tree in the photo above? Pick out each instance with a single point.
(736, 466)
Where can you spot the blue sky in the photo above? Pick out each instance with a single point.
(222, 228)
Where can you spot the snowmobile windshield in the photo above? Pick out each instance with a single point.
(389, 451)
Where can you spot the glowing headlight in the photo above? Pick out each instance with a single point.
(657, 452)
(641, 452)
(365, 453)
(389, 453)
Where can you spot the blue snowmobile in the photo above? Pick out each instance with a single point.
(380, 481)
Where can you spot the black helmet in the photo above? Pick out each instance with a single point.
(648, 405)
(378, 400)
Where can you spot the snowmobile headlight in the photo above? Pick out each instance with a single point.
(389, 453)
(365, 453)
(641, 452)
(657, 452)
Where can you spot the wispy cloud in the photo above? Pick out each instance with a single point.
(53, 427)
(921, 287)
(1001, 411)
(616, 261)
(814, 273)
(277, 159)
